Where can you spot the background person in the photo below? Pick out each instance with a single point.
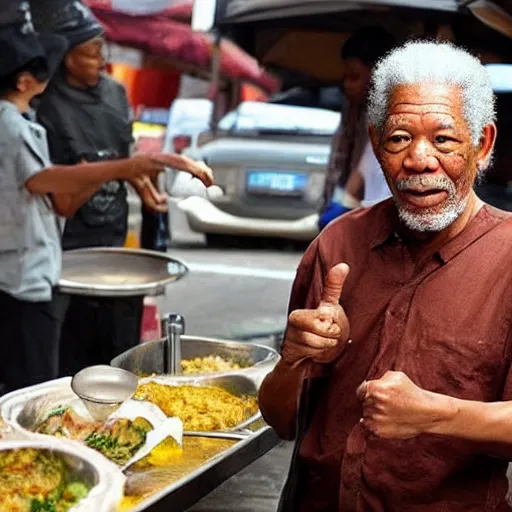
(34, 197)
(344, 184)
(88, 118)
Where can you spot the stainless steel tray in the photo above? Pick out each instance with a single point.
(253, 439)
(148, 358)
(85, 465)
(185, 492)
(23, 410)
(117, 272)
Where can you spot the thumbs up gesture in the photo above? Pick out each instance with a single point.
(319, 334)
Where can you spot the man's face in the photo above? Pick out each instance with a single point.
(427, 155)
(85, 62)
(356, 79)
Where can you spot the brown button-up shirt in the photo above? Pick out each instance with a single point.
(445, 323)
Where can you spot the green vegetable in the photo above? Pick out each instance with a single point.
(43, 506)
(75, 491)
(112, 448)
(57, 412)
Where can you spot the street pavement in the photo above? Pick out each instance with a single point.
(234, 293)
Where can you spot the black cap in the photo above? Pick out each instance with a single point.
(20, 44)
(68, 18)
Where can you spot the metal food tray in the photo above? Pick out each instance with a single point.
(148, 358)
(252, 439)
(118, 272)
(83, 464)
(185, 492)
(23, 410)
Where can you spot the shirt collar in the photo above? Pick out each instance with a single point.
(384, 230)
(486, 219)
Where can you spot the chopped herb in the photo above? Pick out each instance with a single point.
(57, 412)
(43, 506)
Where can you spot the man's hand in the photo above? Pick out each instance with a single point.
(319, 334)
(152, 165)
(395, 408)
(149, 194)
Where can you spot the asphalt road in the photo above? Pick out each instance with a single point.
(231, 293)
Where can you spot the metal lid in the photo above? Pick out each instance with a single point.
(117, 272)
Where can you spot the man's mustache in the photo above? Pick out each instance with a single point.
(425, 183)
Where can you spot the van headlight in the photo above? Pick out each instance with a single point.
(227, 179)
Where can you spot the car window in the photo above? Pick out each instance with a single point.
(227, 123)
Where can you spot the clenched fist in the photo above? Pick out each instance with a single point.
(319, 334)
(395, 408)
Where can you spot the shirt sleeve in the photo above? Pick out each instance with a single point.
(27, 163)
(307, 287)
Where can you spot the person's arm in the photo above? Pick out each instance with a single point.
(66, 205)
(149, 194)
(76, 179)
(314, 338)
(489, 423)
(396, 408)
(279, 396)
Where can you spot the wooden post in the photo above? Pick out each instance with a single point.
(215, 81)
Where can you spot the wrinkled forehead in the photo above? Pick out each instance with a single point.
(442, 102)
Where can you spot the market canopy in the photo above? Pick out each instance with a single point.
(136, 7)
(162, 36)
(304, 36)
(179, 10)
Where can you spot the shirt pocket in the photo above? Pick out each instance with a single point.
(463, 365)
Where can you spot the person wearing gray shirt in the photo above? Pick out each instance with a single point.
(34, 194)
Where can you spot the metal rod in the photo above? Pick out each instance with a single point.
(214, 90)
(173, 326)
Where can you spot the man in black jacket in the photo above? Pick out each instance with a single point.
(87, 117)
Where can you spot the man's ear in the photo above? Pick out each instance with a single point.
(486, 145)
(374, 138)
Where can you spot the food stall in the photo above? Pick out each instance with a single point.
(219, 429)
(182, 413)
(171, 419)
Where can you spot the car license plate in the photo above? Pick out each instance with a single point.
(284, 183)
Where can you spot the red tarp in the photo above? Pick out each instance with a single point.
(162, 36)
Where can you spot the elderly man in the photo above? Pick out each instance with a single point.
(395, 376)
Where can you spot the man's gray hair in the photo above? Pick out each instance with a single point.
(420, 62)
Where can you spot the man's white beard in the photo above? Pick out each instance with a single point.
(423, 222)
